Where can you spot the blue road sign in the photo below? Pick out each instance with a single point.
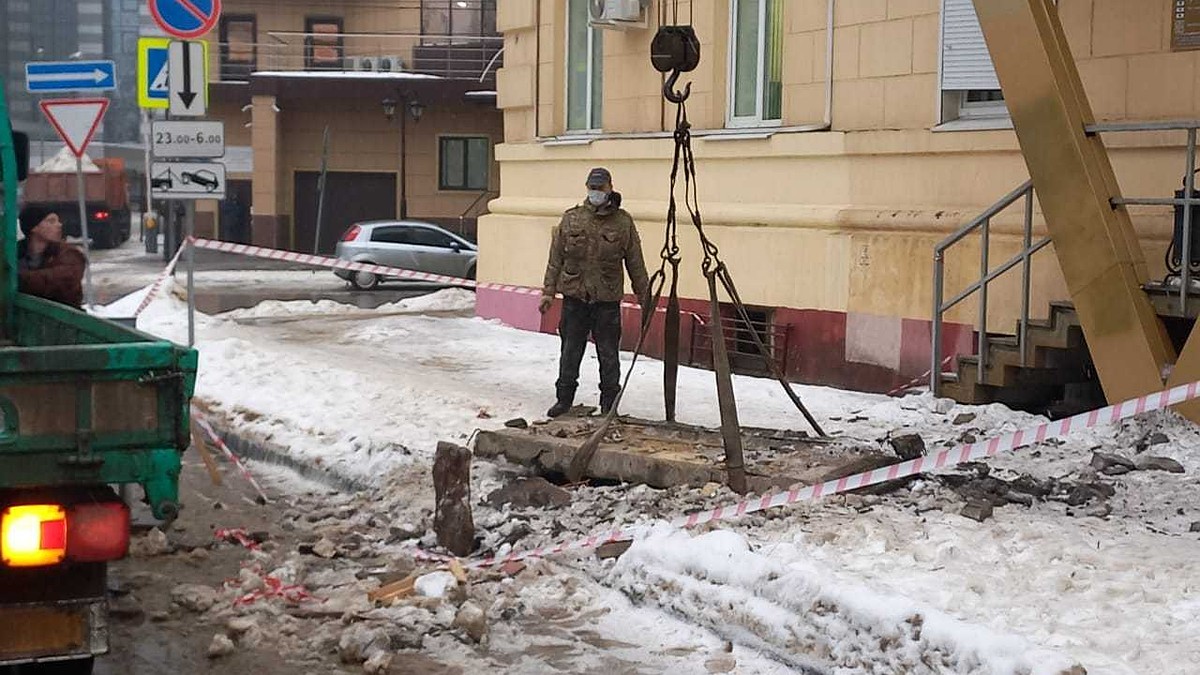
(186, 19)
(57, 76)
(156, 69)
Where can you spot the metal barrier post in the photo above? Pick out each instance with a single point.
(1026, 243)
(935, 370)
(983, 298)
(1189, 186)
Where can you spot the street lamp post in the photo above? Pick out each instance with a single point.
(416, 109)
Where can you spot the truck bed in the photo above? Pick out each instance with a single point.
(84, 400)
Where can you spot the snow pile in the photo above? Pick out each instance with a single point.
(64, 162)
(446, 300)
(807, 616)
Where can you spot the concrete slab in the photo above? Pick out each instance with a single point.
(662, 454)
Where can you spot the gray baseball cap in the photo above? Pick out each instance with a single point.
(598, 178)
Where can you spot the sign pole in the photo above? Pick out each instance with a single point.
(148, 211)
(83, 228)
(321, 189)
(191, 284)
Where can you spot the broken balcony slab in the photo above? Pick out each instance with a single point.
(667, 454)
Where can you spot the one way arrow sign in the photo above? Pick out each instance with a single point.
(57, 76)
(186, 79)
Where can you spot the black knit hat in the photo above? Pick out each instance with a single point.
(31, 216)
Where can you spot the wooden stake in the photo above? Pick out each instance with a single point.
(209, 462)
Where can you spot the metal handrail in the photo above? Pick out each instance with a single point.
(1189, 190)
(982, 224)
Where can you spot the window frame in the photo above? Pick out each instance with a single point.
(466, 169)
(595, 113)
(310, 60)
(228, 67)
(732, 120)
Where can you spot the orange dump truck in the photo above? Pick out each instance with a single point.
(106, 195)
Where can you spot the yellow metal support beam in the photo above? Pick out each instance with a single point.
(1096, 245)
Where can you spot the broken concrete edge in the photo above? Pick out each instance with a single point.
(553, 454)
(248, 446)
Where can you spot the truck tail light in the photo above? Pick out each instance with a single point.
(33, 535)
(352, 233)
(98, 531)
(101, 215)
(36, 535)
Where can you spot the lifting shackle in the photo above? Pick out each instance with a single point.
(675, 50)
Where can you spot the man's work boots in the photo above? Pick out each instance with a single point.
(606, 403)
(560, 408)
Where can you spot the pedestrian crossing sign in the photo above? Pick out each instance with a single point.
(152, 72)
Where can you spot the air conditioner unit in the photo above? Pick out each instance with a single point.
(367, 64)
(392, 64)
(618, 14)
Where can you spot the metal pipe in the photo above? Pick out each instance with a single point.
(829, 66)
(935, 371)
(1189, 187)
(491, 63)
(1006, 201)
(981, 364)
(1025, 253)
(1153, 201)
(1165, 125)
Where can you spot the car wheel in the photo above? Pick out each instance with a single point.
(364, 281)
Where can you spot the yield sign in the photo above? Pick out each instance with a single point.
(75, 119)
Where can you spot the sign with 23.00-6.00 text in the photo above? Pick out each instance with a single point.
(187, 139)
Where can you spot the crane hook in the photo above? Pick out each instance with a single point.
(669, 91)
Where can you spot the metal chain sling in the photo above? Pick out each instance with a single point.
(675, 49)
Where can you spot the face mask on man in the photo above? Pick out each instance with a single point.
(597, 197)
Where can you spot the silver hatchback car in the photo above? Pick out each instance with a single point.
(407, 244)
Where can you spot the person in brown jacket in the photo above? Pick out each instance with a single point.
(47, 266)
(586, 254)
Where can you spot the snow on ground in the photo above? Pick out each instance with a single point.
(371, 398)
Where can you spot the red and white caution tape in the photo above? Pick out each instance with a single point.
(939, 460)
(217, 440)
(918, 380)
(158, 281)
(381, 270)
(236, 534)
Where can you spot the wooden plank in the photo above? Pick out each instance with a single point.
(209, 463)
(394, 591)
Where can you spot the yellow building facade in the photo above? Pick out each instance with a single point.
(837, 141)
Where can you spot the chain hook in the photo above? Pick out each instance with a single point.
(669, 91)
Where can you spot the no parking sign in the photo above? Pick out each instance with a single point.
(186, 19)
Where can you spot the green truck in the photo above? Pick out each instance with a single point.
(86, 405)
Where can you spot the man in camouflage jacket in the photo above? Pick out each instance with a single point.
(587, 251)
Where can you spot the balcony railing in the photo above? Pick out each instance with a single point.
(455, 57)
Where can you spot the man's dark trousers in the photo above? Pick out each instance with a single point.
(601, 320)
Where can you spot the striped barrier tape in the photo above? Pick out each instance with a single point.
(939, 460)
(381, 270)
(220, 443)
(158, 281)
(918, 380)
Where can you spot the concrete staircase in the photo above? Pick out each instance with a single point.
(1056, 377)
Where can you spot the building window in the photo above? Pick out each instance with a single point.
(468, 18)
(756, 62)
(970, 89)
(585, 70)
(465, 163)
(239, 53)
(323, 44)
